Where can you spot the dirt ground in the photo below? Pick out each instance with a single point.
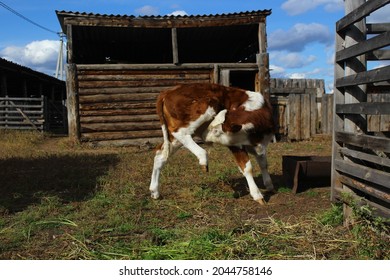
(52, 187)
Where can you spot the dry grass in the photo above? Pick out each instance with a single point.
(59, 200)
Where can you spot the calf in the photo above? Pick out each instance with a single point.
(241, 120)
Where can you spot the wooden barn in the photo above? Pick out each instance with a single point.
(31, 99)
(361, 134)
(117, 65)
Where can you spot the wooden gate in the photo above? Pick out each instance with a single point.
(22, 113)
(361, 134)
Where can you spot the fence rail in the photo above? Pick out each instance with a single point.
(22, 113)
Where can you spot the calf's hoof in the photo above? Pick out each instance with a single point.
(155, 195)
(261, 201)
(205, 168)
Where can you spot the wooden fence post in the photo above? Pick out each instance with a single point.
(73, 103)
(355, 94)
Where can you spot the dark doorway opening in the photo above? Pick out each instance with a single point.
(243, 79)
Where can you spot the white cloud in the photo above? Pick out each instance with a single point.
(297, 7)
(276, 70)
(292, 60)
(147, 11)
(38, 55)
(296, 38)
(297, 76)
(178, 13)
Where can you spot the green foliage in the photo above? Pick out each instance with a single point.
(332, 216)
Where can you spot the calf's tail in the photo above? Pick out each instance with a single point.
(164, 125)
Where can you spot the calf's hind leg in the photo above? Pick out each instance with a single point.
(260, 153)
(160, 159)
(242, 159)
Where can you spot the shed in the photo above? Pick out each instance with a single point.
(30, 99)
(117, 65)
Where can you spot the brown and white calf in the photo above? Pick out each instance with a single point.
(241, 120)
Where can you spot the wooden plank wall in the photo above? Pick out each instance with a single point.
(298, 109)
(117, 105)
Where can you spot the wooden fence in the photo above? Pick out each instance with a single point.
(22, 113)
(361, 138)
(301, 108)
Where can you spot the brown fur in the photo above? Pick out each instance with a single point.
(261, 119)
(180, 105)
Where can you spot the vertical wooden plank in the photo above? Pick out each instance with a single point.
(355, 94)
(73, 103)
(215, 78)
(69, 43)
(294, 125)
(225, 77)
(175, 50)
(263, 62)
(330, 113)
(262, 37)
(313, 114)
(305, 117)
(324, 115)
(338, 120)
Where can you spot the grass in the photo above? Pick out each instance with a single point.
(59, 200)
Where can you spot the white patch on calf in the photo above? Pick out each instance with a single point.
(219, 119)
(253, 189)
(215, 134)
(255, 101)
(184, 135)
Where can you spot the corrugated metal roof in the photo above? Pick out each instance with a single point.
(166, 21)
(247, 13)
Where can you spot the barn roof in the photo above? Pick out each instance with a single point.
(147, 39)
(167, 21)
(16, 69)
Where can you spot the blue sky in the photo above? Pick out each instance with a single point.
(300, 32)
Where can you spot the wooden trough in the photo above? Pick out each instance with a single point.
(303, 172)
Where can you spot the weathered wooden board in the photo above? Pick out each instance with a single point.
(118, 103)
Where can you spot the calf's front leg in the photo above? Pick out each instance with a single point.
(243, 161)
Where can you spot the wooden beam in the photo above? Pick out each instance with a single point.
(359, 13)
(69, 43)
(376, 28)
(378, 55)
(365, 188)
(366, 157)
(372, 76)
(364, 141)
(366, 173)
(366, 108)
(73, 103)
(175, 50)
(363, 47)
